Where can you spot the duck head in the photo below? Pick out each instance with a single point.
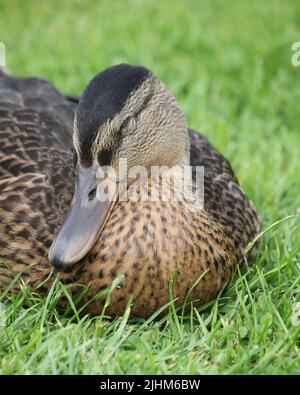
(125, 112)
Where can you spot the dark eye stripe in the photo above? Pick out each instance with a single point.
(105, 157)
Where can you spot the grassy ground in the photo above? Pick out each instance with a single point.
(229, 65)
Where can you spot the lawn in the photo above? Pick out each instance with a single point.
(228, 63)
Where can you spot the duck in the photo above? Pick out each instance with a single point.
(59, 155)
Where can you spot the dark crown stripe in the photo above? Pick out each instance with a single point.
(102, 99)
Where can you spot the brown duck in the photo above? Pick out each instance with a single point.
(125, 112)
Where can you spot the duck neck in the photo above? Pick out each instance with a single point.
(184, 155)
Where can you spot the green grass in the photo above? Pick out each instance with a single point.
(228, 63)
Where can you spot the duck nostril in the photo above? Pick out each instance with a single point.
(92, 194)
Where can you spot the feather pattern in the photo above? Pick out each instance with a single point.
(36, 188)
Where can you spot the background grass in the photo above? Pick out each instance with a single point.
(228, 63)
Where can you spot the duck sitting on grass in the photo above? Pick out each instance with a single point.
(46, 228)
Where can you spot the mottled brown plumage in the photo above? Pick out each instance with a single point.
(146, 242)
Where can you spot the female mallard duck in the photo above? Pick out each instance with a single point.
(125, 112)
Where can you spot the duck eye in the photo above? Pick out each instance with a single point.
(92, 194)
(129, 123)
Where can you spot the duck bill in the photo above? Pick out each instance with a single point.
(85, 220)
